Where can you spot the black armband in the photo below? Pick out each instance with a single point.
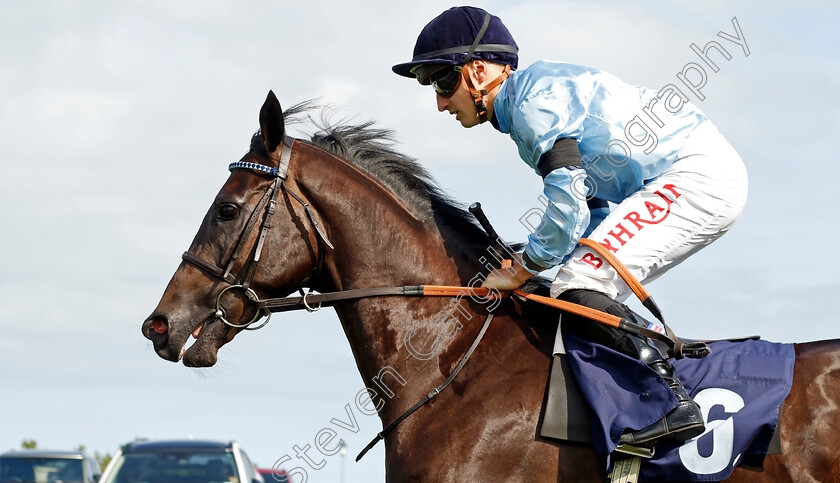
(530, 264)
(564, 154)
(596, 203)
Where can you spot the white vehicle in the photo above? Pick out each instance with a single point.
(183, 461)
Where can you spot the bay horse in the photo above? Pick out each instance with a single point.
(390, 226)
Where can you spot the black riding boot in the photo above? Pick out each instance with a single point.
(683, 422)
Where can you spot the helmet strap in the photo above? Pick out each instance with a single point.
(478, 95)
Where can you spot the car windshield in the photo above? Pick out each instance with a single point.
(40, 470)
(175, 467)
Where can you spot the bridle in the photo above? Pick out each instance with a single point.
(266, 205)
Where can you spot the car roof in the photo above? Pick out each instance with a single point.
(43, 454)
(177, 445)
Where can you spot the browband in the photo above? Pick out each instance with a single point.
(282, 169)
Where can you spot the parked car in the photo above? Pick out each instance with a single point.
(270, 476)
(48, 466)
(182, 461)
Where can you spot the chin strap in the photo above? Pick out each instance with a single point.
(478, 95)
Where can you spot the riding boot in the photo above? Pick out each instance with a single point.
(683, 422)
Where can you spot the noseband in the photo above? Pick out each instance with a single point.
(268, 205)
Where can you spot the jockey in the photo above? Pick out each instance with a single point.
(674, 182)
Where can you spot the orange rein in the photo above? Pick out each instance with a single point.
(455, 291)
(590, 313)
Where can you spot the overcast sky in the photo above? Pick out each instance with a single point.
(118, 119)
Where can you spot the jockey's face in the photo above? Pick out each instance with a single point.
(461, 103)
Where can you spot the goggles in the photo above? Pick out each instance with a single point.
(447, 82)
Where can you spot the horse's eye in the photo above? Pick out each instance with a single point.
(228, 211)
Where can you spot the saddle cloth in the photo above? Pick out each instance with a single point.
(740, 388)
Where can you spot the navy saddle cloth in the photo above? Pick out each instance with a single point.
(740, 387)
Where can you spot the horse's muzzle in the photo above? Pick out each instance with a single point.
(156, 329)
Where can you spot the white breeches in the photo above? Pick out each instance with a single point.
(687, 207)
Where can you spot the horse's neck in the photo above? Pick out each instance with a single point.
(406, 346)
(380, 242)
(380, 239)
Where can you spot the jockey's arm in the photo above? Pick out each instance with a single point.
(563, 223)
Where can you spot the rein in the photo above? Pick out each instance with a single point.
(312, 302)
(675, 345)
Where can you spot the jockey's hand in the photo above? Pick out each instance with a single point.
(503, 279)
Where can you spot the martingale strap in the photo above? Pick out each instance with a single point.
(675, 344)
(434, 392)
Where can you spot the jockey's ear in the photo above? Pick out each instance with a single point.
(482, 72)
(271, 123)
(478, 71)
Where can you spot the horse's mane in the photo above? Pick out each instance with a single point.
(372, 149)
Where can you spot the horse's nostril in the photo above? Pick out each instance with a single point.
(160, 325)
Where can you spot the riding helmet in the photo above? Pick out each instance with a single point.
(457, 36)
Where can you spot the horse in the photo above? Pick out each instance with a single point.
(348, 212)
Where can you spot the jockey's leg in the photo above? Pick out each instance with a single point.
(687, 207)
(683, 422)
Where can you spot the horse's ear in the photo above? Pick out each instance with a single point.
(271, 122)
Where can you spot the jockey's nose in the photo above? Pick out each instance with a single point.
(442, 102)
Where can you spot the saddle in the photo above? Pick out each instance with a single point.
(567, 416)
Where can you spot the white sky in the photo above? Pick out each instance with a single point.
(118, 119)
